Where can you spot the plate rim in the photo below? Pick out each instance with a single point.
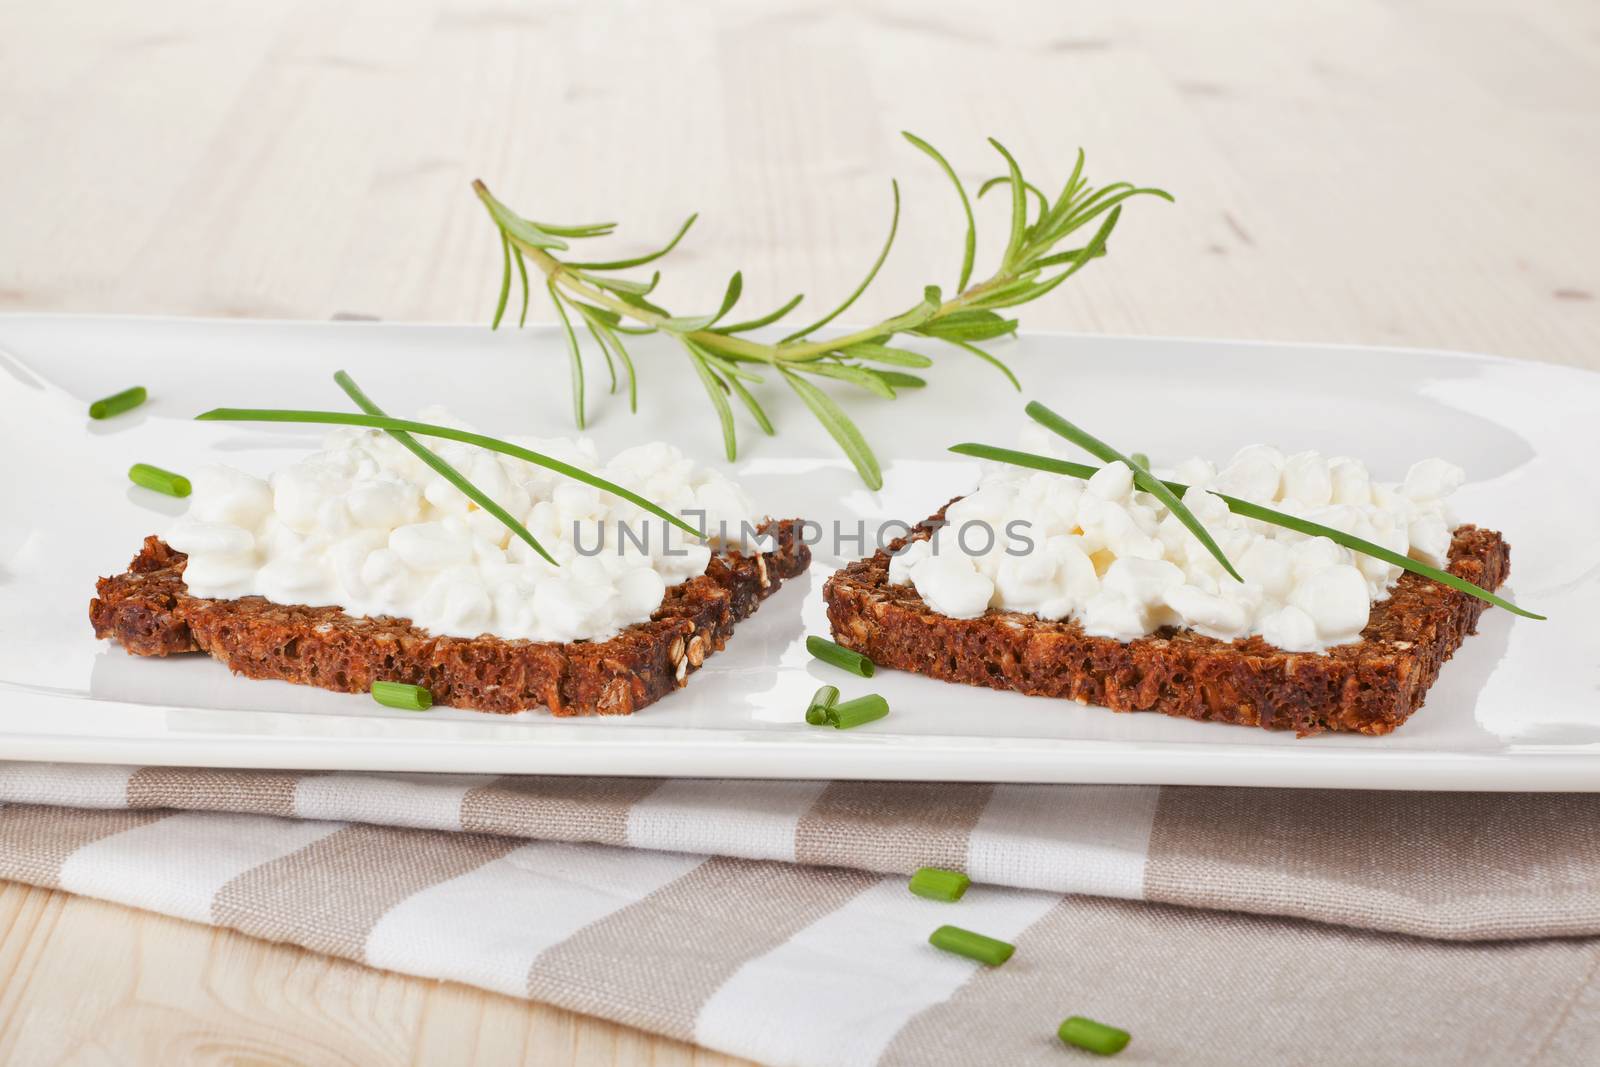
(1517, 768)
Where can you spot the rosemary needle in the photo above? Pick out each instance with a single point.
(611, 305)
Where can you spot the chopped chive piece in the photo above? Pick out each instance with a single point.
(402, 696)
(817, 711)
(841, 657)
(117, 403)
(857, 712)
(973, 946)
(159, 480)
(1095, 1037)
(936, 883)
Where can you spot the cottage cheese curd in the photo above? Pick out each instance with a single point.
(1117, 561)
(365, 525)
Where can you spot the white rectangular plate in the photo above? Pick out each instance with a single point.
(1517, 709)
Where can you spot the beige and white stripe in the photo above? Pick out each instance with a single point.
(1449, 866)
(486, 926)
(329, 895)
(1204, 987)
(798, 964)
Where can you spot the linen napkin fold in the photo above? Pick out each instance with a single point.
(1451, 866)
(790, 963)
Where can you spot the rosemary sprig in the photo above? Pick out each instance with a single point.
(612, 306)
(425, 429)
(1034, 461)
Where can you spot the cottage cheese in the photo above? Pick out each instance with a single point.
(1117, 561)
(365, 525)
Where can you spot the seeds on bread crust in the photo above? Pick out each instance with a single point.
(148, 611)
(1369, 687)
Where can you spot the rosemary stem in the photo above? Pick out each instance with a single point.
(813, 349)
(558, 273)
(737, 347)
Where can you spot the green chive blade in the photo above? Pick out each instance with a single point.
(1030, 460)
(973, 946)
(158, 480)
(425, 429)
(936, 883)
(1033, 461)
(846, 659)
(118, 403)
(1093, 1037)
(402, 696)
(1368, 548)
(440, 466)
(1143, 478)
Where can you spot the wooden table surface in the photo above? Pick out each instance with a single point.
(1417, 173)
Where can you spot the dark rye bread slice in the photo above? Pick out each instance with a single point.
(1368, 687)
(148, 610)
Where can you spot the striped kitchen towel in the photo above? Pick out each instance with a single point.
(1459, 866)
(789, 963)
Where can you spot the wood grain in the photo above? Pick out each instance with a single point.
(86, 982)
(1346, 170)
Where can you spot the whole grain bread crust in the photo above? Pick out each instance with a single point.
(148, 610)
(1368, 687)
